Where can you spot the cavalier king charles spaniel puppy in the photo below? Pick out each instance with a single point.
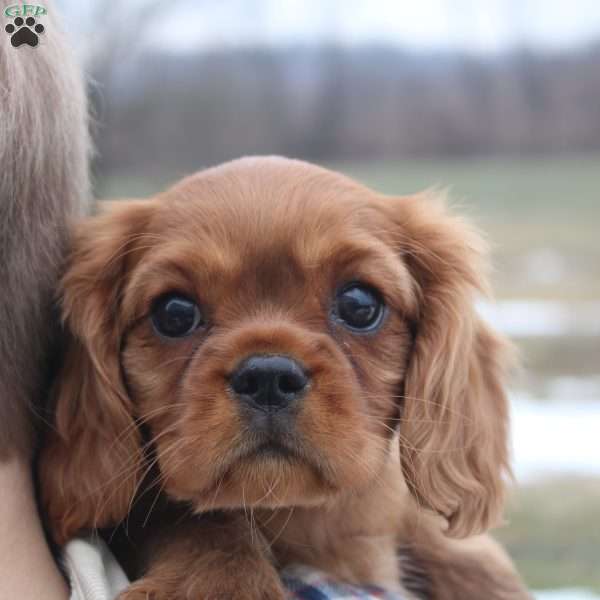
(271, 364)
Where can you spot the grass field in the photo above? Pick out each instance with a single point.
(553, 533)
(543, 219)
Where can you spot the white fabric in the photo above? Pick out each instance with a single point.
(93, 572)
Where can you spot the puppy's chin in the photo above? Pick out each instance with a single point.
(267, 477)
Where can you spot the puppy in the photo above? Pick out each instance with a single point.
(282, 366)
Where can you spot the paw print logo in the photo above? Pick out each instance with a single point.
(24, 32)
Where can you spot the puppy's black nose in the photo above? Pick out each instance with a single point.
(269, 382)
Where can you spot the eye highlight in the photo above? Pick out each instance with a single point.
(174, 316)
(359, 307)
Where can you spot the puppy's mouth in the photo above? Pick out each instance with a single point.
(274, 447)
(270, 451)
(277, 451)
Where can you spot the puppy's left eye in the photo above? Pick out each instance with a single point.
(175, 316)
(359, 307)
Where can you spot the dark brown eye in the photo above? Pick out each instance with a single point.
(175, 316)
(359, 307)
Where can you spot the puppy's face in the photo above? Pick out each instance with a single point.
(267, 331)
(257, 333)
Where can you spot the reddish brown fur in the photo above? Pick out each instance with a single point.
(263, 244)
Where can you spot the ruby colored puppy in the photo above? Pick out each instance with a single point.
(281, 365)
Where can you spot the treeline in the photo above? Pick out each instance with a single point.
(176, 112)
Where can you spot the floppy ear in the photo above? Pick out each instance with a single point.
(454, 432)
(91, 462)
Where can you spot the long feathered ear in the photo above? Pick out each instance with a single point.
(454, 432)
(91, 461)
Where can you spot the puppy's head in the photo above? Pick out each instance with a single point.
(262, 334)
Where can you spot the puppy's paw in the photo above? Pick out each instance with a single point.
(146, 589)
(214, 558)
(197, 586)
(155, 588)
(245, 585)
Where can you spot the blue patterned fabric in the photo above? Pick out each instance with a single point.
(307, 584)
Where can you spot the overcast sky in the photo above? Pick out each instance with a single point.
(473, 25)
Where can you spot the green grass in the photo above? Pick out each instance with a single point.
(531, 188)
(553, 533)
(574, 356)
(132, 185)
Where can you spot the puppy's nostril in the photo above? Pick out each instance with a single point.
(246, 384)
(292, 383)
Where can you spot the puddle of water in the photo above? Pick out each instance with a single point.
(542, 318)
(557, 428)
(566, 594)
(573, 388)
(554, 437)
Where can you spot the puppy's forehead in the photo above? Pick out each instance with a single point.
(269, 227)
(269, 205)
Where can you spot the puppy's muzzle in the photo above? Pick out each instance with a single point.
(269, 383)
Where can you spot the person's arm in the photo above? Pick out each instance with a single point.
(27, 569)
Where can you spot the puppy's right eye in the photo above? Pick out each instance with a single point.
(359, 307)
(175, 316)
